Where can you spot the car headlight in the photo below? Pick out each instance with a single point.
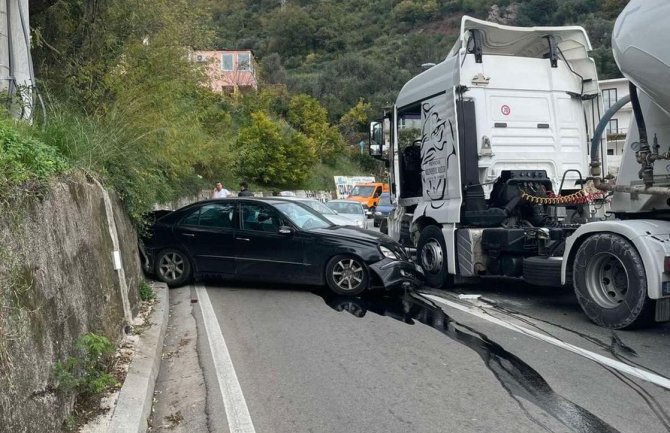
(360, 224)
(387, 252)
(378, 213)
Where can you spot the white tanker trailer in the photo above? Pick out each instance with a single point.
(489, 152)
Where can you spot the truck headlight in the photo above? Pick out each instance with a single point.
(387, 252)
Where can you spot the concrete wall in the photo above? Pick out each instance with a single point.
(57, 282)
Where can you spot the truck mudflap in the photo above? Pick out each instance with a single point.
(396, 274)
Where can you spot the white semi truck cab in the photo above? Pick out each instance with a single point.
(496, 159)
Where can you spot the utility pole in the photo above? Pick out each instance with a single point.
(17, 79)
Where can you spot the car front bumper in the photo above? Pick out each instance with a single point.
(396, 274)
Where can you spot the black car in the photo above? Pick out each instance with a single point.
(276, 240)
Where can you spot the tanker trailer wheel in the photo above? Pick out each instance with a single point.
(431, 255)
(610, 282)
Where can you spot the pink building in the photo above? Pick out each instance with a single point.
(228, 71)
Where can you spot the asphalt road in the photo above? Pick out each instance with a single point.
(496, 356)
(307, 361)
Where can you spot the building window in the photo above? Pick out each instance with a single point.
(227, 62)
(613, 126)
(609, 97)
(610, 152)
(244, 62)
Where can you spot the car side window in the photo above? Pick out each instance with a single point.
(260, 218)
(217, 215)
(212, 215)
(191, 219)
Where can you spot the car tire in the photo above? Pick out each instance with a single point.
(431, 255)
(346, 275)
(173, 267)
(611, 284)
(542, 271)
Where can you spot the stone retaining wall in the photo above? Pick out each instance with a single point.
(57, 282)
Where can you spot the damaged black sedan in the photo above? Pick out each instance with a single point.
(272, 240)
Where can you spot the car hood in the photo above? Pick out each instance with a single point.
(354, 233)
(353, 217)
(384, 208)
(340, 220)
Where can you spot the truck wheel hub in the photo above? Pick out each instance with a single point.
(607, 280)
(432, 257)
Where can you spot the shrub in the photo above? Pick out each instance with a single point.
(146, 292)
(25, 161)
(86, 372)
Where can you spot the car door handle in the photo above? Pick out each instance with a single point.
(191, 235)
(243, 239)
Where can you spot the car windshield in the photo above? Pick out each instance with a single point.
(347, 208)
(304, 218)
(384, 200)
(362, 191)
(319, 207)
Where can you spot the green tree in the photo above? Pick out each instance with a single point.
(311, 118)
(354, 124)
(272, 154)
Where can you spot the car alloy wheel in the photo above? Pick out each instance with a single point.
(173, 267)
(346, 275)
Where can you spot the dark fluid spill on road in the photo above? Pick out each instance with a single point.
(518, 378)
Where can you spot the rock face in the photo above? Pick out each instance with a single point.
(57, 282)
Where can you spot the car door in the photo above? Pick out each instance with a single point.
(262, 252)
(207, 234)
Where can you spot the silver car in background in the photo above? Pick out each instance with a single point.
(350, 209)
(331, 215)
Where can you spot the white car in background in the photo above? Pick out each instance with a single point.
(350, 209)
(331, 215)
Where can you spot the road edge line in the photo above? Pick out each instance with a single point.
(237, 412)
(645, 375)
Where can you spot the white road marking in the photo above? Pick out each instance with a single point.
(239, 420)
(618, 365)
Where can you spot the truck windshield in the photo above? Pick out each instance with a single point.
(362, 191)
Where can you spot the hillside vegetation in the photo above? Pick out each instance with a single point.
(123, 102)
(341, 51)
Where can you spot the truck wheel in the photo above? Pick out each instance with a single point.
(384, 226)
(542, 271)
(610, 283)
(431, 255)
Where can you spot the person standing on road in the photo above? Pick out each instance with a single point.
(220, 191)
(244, 190)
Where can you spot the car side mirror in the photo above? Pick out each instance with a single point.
(285, 230)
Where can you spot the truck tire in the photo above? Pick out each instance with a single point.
(542, 271)
(384, 226)
(611, 284)
(431, 253)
